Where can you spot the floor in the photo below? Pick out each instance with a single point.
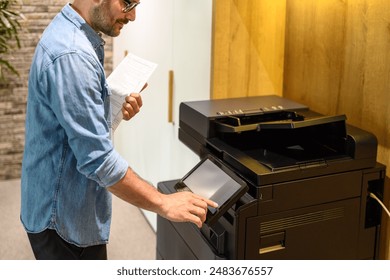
(132, 238)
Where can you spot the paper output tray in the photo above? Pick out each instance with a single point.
(279, 120)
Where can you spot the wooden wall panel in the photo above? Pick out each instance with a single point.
(248, 47)
(337, 60)
(336, 56)
(313, 58)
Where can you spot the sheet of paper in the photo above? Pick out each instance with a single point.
(129, 76)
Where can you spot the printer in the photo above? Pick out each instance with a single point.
(308, 180)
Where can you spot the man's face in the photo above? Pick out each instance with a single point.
(108, 17)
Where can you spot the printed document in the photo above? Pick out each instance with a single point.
(129, 76)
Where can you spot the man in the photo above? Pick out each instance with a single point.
(70, 167)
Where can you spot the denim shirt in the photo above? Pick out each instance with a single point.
(69, 158)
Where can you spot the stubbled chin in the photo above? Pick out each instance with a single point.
(117, 29)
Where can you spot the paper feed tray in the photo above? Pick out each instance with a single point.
(265, 151)
(274, 120)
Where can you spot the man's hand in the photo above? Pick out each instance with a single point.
(177, 207)
(185, 207)
(132, 105)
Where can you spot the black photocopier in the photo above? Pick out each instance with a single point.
(308, 180)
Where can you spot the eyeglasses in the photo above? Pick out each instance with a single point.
(129, 5)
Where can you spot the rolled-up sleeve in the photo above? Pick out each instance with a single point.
(80, 102)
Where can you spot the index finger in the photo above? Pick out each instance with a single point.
(208, 201)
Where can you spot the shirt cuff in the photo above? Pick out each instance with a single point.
(112, 170)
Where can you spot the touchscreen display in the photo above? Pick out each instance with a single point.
(210, 181)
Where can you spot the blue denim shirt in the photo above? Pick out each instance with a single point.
(69, 158)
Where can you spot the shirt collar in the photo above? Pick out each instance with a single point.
(93, 36)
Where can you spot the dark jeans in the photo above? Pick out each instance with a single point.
(48, 245)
